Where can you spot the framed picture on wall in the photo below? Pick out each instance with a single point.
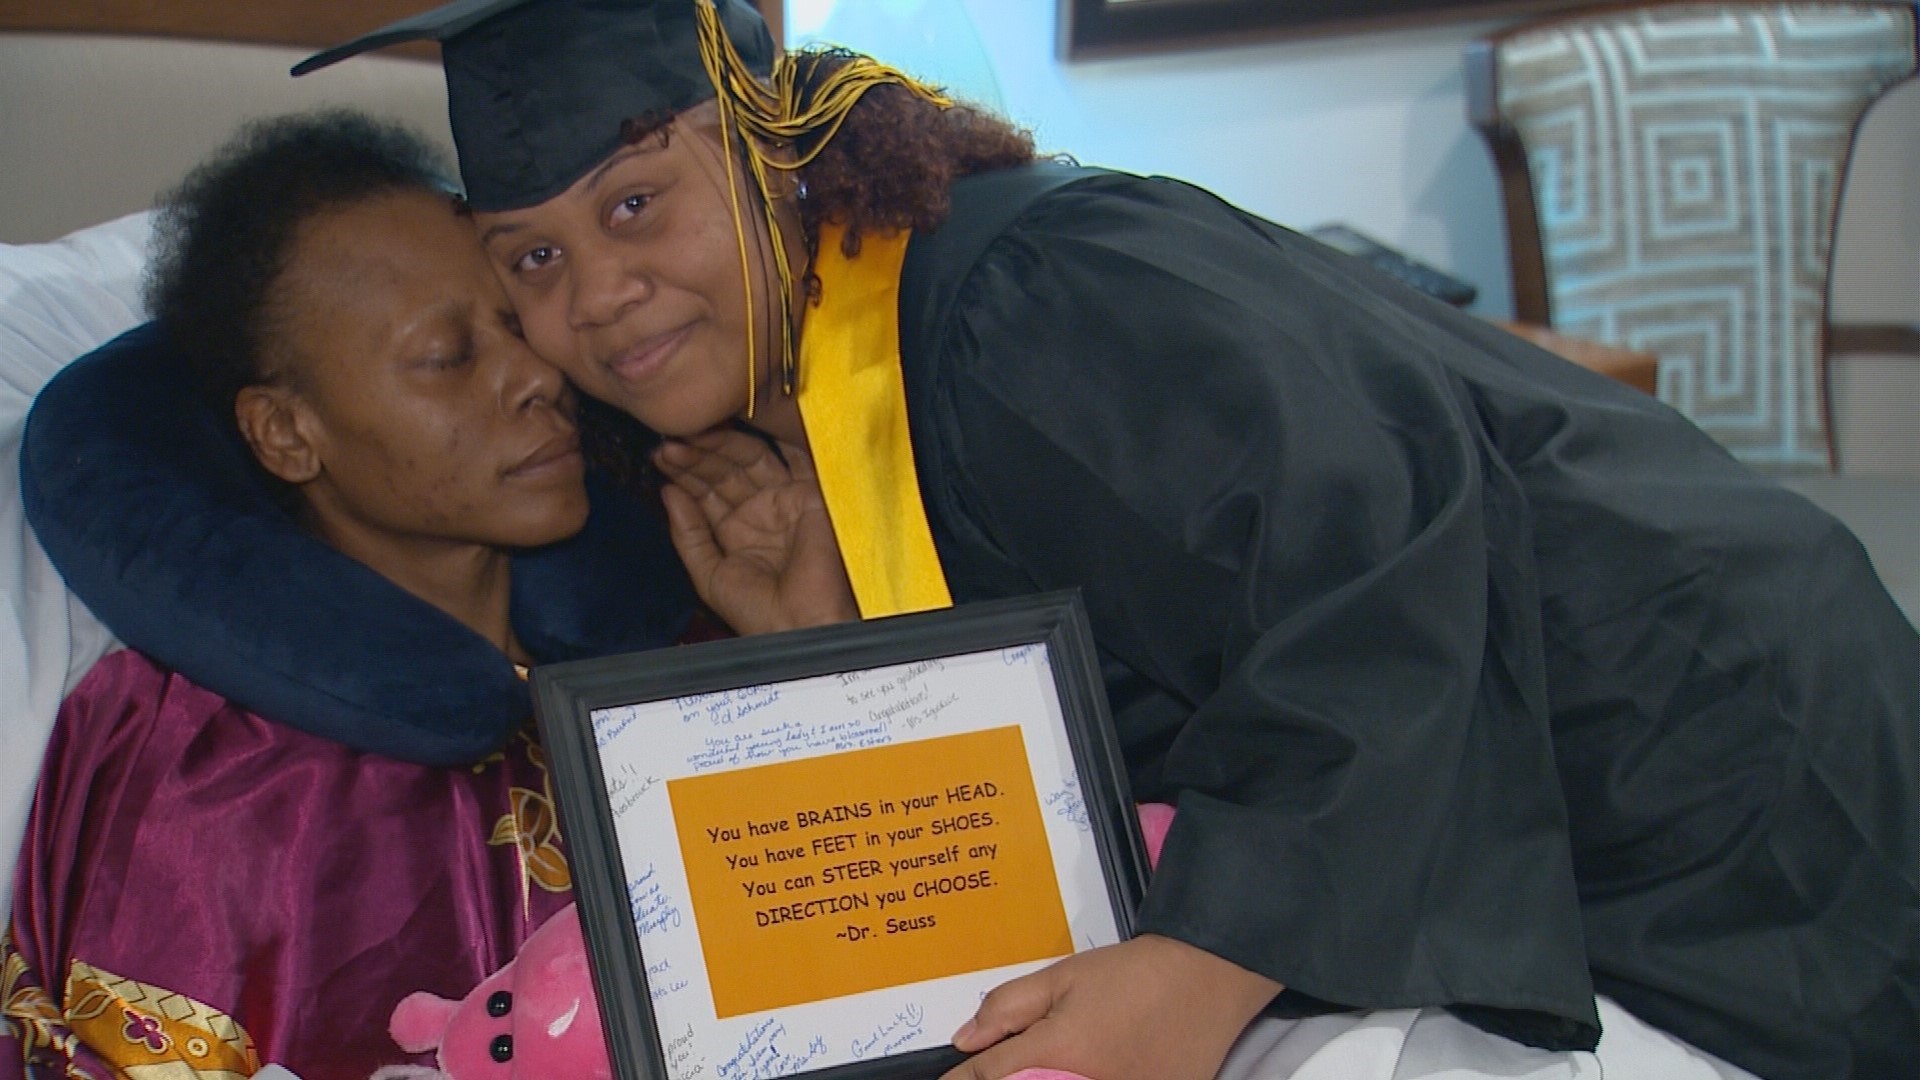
(1092, 28)
(810, 854)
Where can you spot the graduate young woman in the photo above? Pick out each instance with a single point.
(1480, 682)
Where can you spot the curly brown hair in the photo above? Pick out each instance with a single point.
(891, 164)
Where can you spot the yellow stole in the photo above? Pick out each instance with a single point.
(854, 404)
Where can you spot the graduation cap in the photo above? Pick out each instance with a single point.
(538, 91)
(541, 91)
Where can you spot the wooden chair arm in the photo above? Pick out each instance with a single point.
(1640, 370)
(1900, 339)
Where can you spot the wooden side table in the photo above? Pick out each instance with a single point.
(1639, 370)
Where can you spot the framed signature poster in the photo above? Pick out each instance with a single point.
(811, 854)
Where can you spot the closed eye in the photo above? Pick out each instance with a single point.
(447, 361)
(446, 352)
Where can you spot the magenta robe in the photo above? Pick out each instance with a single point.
(196, 877)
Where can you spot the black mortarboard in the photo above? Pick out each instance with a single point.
(538, 90)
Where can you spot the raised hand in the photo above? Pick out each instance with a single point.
(1147, 1009)
(753, 532)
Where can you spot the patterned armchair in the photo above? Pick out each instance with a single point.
(1671, 174)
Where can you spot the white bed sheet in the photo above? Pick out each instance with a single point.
(1433, 1044)
(57, 302)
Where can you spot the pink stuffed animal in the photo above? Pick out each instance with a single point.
(537, 1017)
(534, 1018)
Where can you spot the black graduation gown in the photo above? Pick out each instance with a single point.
(1479, 679)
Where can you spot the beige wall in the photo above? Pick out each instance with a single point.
(92, 128)
(1876, 399)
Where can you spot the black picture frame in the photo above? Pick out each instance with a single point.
(1090, 29)
(568, 696)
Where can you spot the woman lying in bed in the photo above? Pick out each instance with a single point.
(205, 886)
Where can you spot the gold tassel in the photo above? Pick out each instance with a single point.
(771, 114)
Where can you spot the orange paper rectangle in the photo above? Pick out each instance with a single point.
(848, 872)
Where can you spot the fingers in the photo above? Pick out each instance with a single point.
(1007, 1058)
(1009, 1008)
(749, 453)
(799, 460)
(696, 471)
(692, 536)
(752, 453)
(729, 465)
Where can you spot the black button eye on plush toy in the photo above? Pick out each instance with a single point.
(537, 1015)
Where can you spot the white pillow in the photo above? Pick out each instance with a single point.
(58, 301)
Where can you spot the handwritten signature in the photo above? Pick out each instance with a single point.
(760, 1056)
(652, 909)
(897, 1031)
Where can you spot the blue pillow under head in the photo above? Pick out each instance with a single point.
(152, 508)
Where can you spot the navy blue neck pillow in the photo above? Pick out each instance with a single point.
(152, 508)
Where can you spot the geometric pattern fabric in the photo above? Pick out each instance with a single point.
(1686, 163)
